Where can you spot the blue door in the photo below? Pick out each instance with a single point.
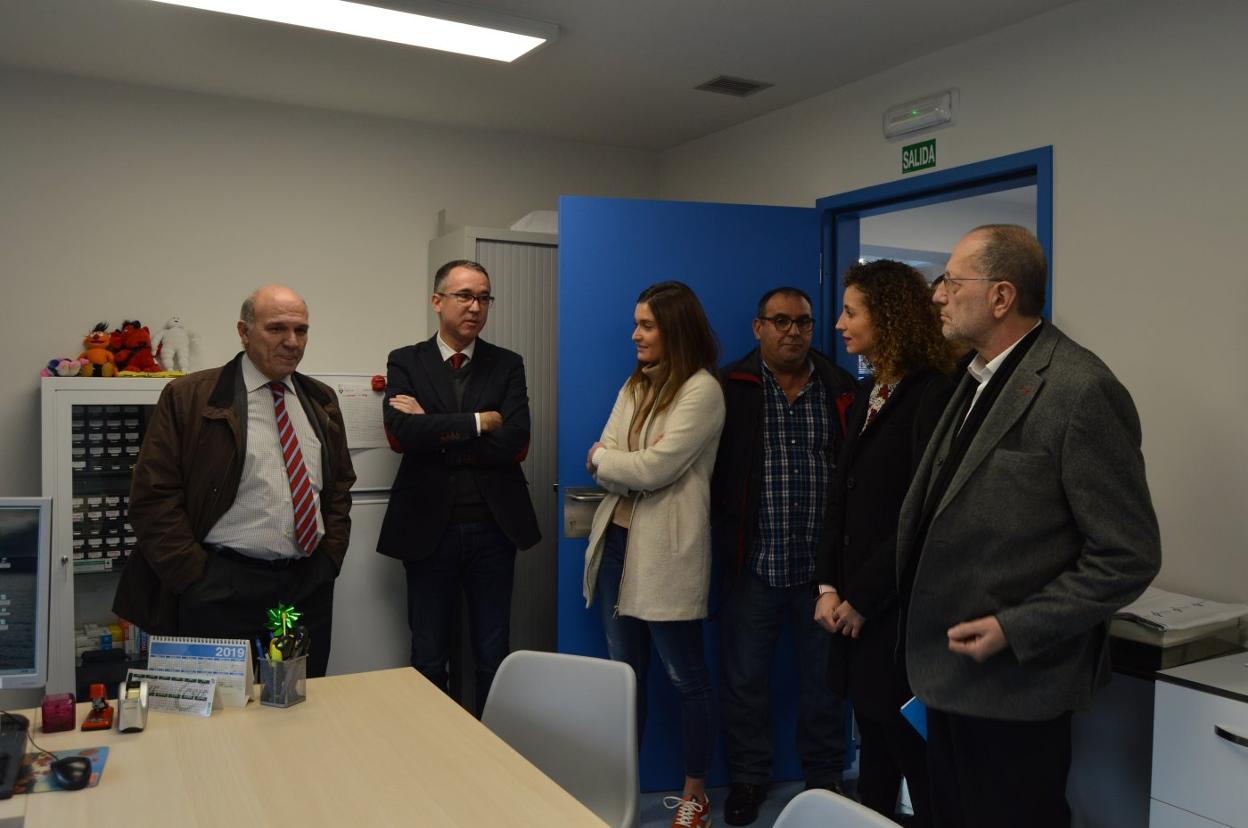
(609, 250)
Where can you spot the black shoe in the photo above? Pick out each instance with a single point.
(827, 786)
(741, 806)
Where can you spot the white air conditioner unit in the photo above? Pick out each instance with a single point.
(922, 113)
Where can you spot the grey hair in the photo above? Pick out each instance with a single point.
(248, 312)
(1011, 253)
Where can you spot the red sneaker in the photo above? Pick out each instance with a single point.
(691, 812)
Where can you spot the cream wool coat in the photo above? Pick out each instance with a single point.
(667, 568)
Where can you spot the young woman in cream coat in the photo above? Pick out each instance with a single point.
(648, 564)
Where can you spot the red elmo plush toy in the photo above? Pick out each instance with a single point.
(136, 348)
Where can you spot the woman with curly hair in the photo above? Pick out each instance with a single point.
(888, 318)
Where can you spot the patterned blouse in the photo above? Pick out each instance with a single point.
(880, 393)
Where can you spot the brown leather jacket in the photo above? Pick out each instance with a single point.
(188, 474)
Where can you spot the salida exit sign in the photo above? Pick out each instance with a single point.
(920, 156)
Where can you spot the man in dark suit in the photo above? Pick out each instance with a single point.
(1027, 526)
(457, 408)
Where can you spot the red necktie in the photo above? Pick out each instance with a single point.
(302, 498)
(457, 361)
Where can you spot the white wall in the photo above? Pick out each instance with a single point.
(937, 227)
(1143, 103)
(126, 202)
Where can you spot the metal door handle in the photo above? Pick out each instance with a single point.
(1231, 736)
(587, 497)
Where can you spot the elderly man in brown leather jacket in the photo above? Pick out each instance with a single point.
(241, 494)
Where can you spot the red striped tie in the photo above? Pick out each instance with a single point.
(302, 498)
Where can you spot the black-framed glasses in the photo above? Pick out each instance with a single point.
(805, 324)
(463, 297)
(953, 283)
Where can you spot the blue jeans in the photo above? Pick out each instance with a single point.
(478, 558)
(680, 648)
(751, 616)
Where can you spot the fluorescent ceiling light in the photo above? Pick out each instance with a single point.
(480, 38)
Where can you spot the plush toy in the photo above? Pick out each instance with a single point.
(173, 346)
(136, 348)
(63, 367)
(116, 344)
(115, 340)
(100, 361)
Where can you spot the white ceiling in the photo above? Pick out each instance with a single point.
(621, 73)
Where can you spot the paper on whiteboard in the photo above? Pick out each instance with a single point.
(361, 412)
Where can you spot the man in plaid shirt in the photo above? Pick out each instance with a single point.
(784, 427)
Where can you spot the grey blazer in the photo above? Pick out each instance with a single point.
(1047, 525)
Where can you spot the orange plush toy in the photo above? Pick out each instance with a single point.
(99, 359)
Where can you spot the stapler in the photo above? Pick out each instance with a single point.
(132, 706)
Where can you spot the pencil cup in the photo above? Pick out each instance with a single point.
(283, 683)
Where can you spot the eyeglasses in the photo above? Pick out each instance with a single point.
(954, 283)
(463, 297)
(805, 324)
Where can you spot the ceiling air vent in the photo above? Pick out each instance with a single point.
(737, 87)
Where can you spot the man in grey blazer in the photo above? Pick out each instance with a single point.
(1027, 526)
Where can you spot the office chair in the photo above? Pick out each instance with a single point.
(575, 718)
(823, 808)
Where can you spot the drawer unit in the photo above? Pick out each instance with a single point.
(1162, 815)
(1200, 744)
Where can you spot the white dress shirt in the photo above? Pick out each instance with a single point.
(261, 521)
(982, 371)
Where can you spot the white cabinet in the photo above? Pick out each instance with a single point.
(91, 432)
(1200, 755)
(1162, 815)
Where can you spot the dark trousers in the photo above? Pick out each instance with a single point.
(477, 558)
(887, 751)
(233, 598)
(680, 648)
(987, 773)
(751, 617)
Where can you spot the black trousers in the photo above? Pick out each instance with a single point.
(478, 558)
(890, 749)
(233, 597)
(987, 773)
(751, 618)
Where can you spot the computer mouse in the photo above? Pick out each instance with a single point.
(71, 773)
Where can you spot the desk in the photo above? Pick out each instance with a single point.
(379, 748)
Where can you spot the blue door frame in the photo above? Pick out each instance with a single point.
(840, 214)
(610, 248)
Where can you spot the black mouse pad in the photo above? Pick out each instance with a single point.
(36, 775)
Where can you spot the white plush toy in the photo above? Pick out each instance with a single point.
(173, 346)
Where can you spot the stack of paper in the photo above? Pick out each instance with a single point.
(1164, 619)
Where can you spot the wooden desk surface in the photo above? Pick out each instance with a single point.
(380, 748)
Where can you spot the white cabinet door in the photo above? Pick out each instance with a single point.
(1194, 768)
(84, 461)
(1167, 816)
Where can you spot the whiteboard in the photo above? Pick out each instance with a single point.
(374, 461)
